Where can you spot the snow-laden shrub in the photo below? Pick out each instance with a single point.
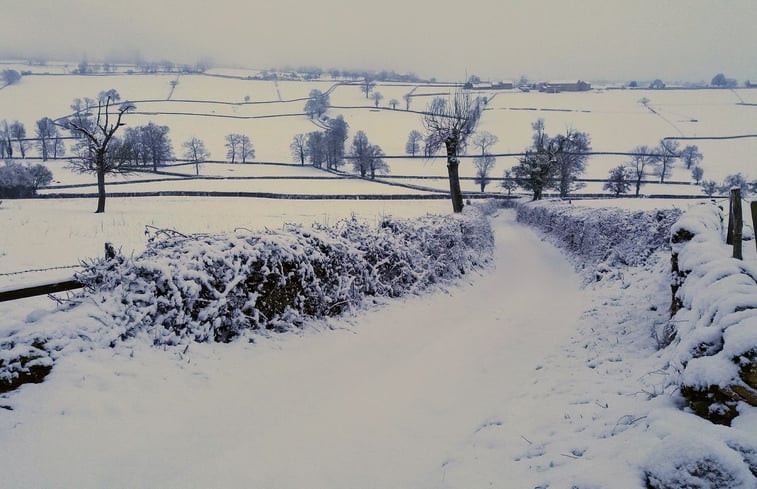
(215, 287)
(602, 237)
(714, 350)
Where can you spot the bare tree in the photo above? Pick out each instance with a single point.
(619, 181)
(408, 97)
(232, 146)
(393, 103)
(642, 158)
(376, 97)
(691, 156)
(18, 132)
(484, 140)
(508, 182)
(48, 138)
(299, 147)
(318, 102)
(484, 165)
(697, 173)
(97, 135)
(194, 151)
(367, 85)
(667, 152)
(449, 124)
(246, 149)
(413, 145)
(6, 146)
(239, 146)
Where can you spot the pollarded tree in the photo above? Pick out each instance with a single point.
(413, 145)
(299, 147)
(376, 97)
(667, 152)
(619, 181)
(691, 156)
(484, 140)
(97, 132)
(194, 151)
(643, 157)
(449, 123)
(484, 165)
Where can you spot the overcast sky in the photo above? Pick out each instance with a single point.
(686, 40)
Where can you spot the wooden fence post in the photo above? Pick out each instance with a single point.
(738, 223)
(754, 221)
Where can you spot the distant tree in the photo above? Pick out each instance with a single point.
(633, 84)
(232, 146)
(316, 148)
(376, 162)
(41, 175)
(619, 181)
(18, 132)
(718, 80)
(367, 85)
(6, 140)
(484, 140)
(697, 173)
(570, 160)
(643, 157)
(666, 152)
(194, 151)
(407, 97)
(508, 182)
(644, 101)
(657, 84)
(710, 187)
(537, 168)
(97, 133)
(155, 143)
(376, 97)
(335, 137)
(449, 123)
(48, 139)
(393, 103)
(360, 153)
(317, 104)
(16, 181)
(691, 156)
(246, 149)
(413, 145)
(299, 147)
(737, 180)
(484, 165)
(11, 76)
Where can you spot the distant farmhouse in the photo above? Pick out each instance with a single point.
(562, 86)
(500, 85)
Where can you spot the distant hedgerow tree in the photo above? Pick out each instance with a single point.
(619, 181)
(18, 132)
(194, 151)
(508, 182)
(393, 103)
(299, 147)
(376, 97)
(316, 148)
(484, 140)
(484, 165)
(666, 152)
(367, 85)
(413, 145)
(710, 187)
(11, 76)
(691, 156)
(736, 180)
(41, 175)
(48, 142)
(643, 157)
(335, 137)
(697, 173)
(570, 160)
(317, 104)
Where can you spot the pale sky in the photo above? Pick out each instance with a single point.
(676, 40)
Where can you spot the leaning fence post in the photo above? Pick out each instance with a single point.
(735, 223)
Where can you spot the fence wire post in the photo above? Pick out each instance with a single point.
(754, 221)
(735, 223)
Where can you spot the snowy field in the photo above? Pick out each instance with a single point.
(525, 372)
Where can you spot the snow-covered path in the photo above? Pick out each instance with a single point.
(388, 399)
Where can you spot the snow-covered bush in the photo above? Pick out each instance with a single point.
(602, 237)
(215, 287)
(714, 348)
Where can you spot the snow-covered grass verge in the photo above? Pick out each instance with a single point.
(218, 287)
(714, 349)
(636, 411)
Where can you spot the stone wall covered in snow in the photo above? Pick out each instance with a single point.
(713, 346)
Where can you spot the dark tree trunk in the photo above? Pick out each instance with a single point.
(454, 176)
(100, 187)
(638, 186)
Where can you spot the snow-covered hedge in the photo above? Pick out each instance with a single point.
(215, 287)
(605, 236)
(714, 346)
